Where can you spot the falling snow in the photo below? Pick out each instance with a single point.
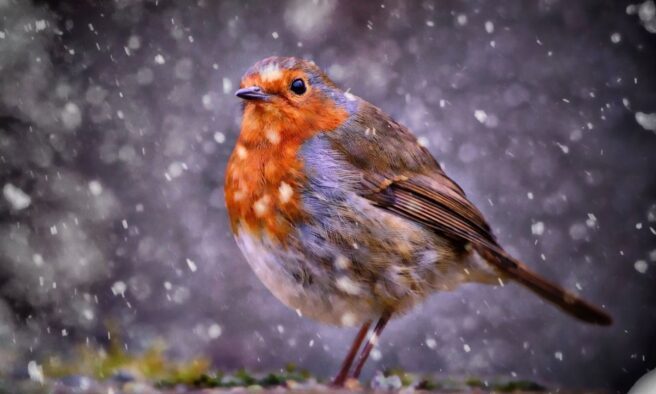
(159, 59)
(641, 266)
(119, 288)
(219, 137)
(480, 115)
(40, 25)
(17, 198)
(647, 121)
(227, 86)
(192, 266)
(537, 228)
(214, 331)
(117, 122)
(35, 371)
(95, 187)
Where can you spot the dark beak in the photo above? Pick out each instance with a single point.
(252, 93)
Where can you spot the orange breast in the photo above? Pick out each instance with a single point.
(264, 175)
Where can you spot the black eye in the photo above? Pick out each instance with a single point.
(298, 86)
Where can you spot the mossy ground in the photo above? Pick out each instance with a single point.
(115, 370)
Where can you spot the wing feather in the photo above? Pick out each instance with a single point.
(406, 180)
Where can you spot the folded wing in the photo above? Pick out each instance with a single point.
(407, 181)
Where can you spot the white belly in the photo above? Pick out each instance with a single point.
(271, 263)
(391, 270)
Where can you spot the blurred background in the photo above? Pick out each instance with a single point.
(117, 118)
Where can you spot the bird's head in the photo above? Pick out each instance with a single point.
(286, 102)
(292, 95)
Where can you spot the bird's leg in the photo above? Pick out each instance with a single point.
(348, 361)
(380, 325)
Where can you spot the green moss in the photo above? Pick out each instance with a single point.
(475, 382)
(241, 378)
(245, 378)
(449, 384)
(207, 380)
(153, 365)
(428, 385)
(407, 379)
(272, 380)
(102, 364)
(518, 385)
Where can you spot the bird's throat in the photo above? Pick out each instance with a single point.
(264, 176)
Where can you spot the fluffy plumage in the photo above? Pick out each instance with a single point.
(344, 216)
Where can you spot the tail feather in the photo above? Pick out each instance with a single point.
(566, 301)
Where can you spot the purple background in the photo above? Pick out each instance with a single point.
(117, 118)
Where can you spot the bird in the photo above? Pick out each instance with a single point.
(346, 218)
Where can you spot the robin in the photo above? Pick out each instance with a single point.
(346, 218)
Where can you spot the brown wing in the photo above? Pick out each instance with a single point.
(435, 206)
(406, 180)
(456, 217)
